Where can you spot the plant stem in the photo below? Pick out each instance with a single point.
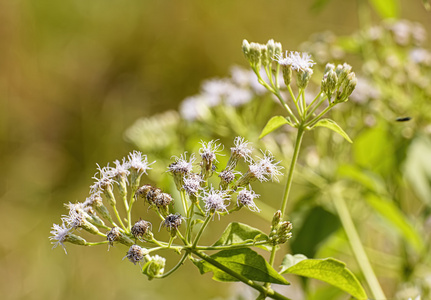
(298, 142)
(174, 268)
(201, 230)
(266, 291)
(357, 247)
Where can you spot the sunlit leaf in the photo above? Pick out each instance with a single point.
(238, 233)
(331, 271)
(328, 123)
(242, 261)
(290, 260)
(393, 215)
(273, 124)
(386, 8)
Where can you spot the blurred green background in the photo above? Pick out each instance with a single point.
(73, 76)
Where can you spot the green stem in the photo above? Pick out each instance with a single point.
(298, 142)
(181, 261)
(95, 243)
(357, 247)
(201, 230)
(266, 291)
(119, 218)
(233, 246)
(184, 200)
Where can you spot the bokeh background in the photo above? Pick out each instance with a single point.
(74, 75)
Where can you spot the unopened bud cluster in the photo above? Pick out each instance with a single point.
(280, 232)
(338, 82)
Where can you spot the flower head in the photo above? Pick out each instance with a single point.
(59, 235)
(209, 150)
(300, 61)
(192, 184)
(136, 254)
(215, 200)
(103, 181)
(182, 165)
(139, 162)
(245, 198)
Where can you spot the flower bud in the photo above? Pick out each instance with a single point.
(303, 77)
(287, 74)
(155, 266)
(276, 219)
(270, 45)
(342, 71)
(329, 83)
(246, 49)
(264, 57)
(255, 55)
(75, 239)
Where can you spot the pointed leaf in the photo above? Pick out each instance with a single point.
(331, 271)
(273, 124)
(328, 123)
(243, 261)
(238, 233)
(290, 260)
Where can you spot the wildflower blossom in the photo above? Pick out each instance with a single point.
(245, 198)
(104, 180)
(215, 200)
(300, 61)
(139, 162)
(59, 235)
(240, 151)
(192, 184)
(271, 168)
(181, 168)
(208, 150)
(121, 169)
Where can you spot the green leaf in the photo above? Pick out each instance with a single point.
(386, 8)
(273, 124)
(317, 225)
(238, 233)
(365, 177)
(393, 215)
(328, 123)
(242, 261)
(290, 260)
(331, 271)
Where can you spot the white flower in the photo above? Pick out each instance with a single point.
(59, 235)
(241, 149)
(215, 200)
(139, 162)
(245, 198)
(192, 184)
(121, 169)
(284, 61)
(182, 165)
(209, 150)
(301, 61)
(104, 180)
(270, 169)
